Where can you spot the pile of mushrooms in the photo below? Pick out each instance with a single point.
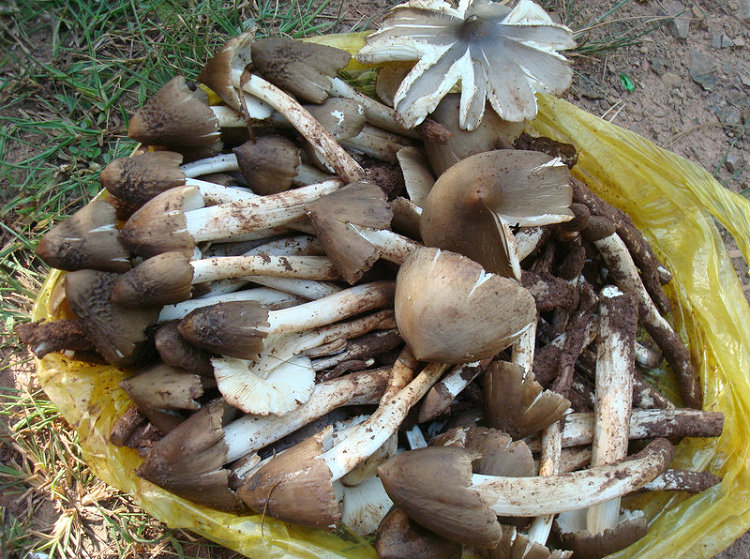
(399, 315)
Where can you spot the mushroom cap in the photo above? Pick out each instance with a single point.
(235, 329)
(359, 203)
(493, 133)
(217, 72)
(518, 405)
(189, 460)
(301, 68)
(164, 387)
(160, 225)
(343, 118)
(175, 116)
(87, 239)
(160, 280)
(418, 178)
(448, 309)
(432, 486)
(268, 163)
(500, 456)
(175, 351)
(571, 531)
(472, 204)
(295, 486)
(399, 536)
(118, 333)
(140, 178)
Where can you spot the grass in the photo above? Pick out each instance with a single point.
(71, 74)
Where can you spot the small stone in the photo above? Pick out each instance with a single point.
(726, 42)
(679, 25)
(728, 115)
(716, 40)
(659, 64)
(739, 41)
(734, 161)
(745, 79)
(670, 80)
(703, 69)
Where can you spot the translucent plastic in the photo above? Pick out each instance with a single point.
(674, 203)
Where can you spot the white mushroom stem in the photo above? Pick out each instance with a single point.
(263, 295)
(228, 118)
(218, 194)
(614, 390)
(444, 391)
(391, 246)
(251, 433)
(307, 289)
(377, 143)
(372, 433)
(578, 428)
(320, 139)
(376, 113)
(261, 212)
(301, 267)
(549, 465)
(541, 495)
(522, 351)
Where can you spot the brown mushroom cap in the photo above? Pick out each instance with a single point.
(165, 387)
(447, 509)
(235, 329)
(295, 486)
(189, 460)
(399, 536)
(268, 163)
(571, 531)
(87, 239)
(358, 203)
(138, 179)
(118, 333)
(160, 280)
(500, 456)
(471, 205)
(343, 118)
(217, 72)
(303, 69)
(175, 116)
(175, 351)
(448, 309)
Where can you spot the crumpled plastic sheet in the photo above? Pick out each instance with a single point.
(674, 202)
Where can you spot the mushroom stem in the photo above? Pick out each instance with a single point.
(549, 465)
(368, 436)
(321, 140)
(301, 267)
(444, 391)
(391, 246)
(377, 143)
(251, 432)
(511, 496)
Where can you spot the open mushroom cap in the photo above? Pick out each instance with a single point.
(160, 280)
(140, 178)
(493, 133)
(518, 405)
(160, 226)
(175, 116)
(304, 69)
(360, 203)
(448, 309)
(295, 486)
(189, 460)
(234, 329)
(417, 482)
(570, 528)
(516, 545)
(472, 204)
(399, 536)
(268, 163)
(87, 239)
(119, 333)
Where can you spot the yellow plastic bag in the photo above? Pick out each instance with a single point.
(672, 201)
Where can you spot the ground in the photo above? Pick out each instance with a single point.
(676, 73)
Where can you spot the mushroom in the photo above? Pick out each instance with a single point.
(177, 219)
(497, 53)
(417, 175)
(118, 333)
(87, 239)
(448, 309)
(399, 537)
(175, 351)
(472, 205)
(165, 387)
(168, 277)
(436, 488)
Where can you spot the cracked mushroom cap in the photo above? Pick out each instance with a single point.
(472, 205)
(360, 203)
(176, 116)
(87, 239)
(119, 333)
(417, 482)
(217, 72)
(189, 460)
(449, 310)
(160, 280)
(500, 455)
(268, 163)
(570, 528)
(303, 69)
(138, 179)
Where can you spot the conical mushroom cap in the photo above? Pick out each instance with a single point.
(138, 179)
(399, 537)
(165, 387)
(432, 486)
(472, 203)
(343, 118)
(303, 69)
(175, 116)
(217, 72)
(87, 239)
(449, 310)
(269, 163)
(160, 280)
